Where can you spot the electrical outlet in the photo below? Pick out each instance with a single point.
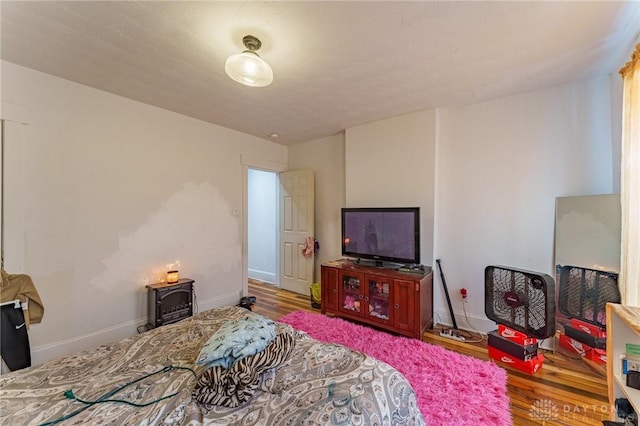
(464, 294)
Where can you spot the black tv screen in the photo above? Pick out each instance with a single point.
(390, 234)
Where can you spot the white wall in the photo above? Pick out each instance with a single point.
(114, 190)
(325, 157)
(390, 163)
(262, 225)
(500, 165)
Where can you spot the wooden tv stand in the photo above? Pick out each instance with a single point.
(401, 302)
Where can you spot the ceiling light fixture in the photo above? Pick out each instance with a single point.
(247, 67)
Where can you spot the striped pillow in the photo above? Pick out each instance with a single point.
(236, 385)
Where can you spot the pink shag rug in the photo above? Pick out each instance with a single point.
(452, 389)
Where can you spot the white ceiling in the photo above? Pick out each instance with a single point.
(335, 64)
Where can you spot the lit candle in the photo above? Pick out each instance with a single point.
(172, 277)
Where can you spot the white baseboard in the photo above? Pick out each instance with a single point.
(59, 348)
(268, 277)
(481, 325)
(228, 299)
(478, 324)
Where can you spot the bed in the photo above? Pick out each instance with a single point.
(317, 384)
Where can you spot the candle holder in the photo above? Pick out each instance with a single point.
(172, 277)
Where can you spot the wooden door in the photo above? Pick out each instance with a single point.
(404, 306)
(296, 225)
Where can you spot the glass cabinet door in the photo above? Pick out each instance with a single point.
(351, 293)
(378, 298)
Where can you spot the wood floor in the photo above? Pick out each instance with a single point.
(565, 392)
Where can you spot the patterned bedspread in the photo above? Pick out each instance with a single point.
(319, 384)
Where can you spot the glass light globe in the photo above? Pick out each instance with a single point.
(249, 69)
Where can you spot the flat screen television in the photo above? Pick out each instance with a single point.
(384, 234)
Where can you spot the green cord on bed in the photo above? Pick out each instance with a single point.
(105, 398)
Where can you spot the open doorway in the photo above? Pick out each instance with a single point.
(293, 212)
(262, 226)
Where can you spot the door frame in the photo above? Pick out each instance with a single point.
(16, 121)
(250, 162)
